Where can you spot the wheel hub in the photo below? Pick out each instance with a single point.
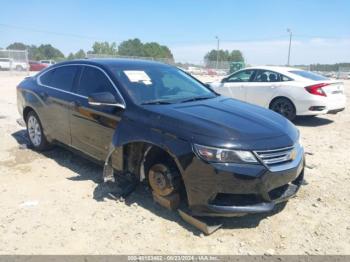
(161, 180)
(34, 131)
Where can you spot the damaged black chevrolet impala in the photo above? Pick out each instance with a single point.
(166, 128)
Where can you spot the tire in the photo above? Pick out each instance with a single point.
(163, 179)
(35, 132)
(284, 107)
(19, 68)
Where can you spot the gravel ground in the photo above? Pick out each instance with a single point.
(51, 203)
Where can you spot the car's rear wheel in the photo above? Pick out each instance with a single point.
(284, 107)
(35, 132)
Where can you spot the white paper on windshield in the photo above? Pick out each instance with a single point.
(138, 76)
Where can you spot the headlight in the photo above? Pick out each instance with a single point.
(300, 140)
(212, 154)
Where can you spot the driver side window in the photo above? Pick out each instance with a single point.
(92, 81)
(242, 76)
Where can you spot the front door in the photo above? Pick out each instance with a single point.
(235, 85)
(93, 126)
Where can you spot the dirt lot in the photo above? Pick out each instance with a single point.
(51, 203)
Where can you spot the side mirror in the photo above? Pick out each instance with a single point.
(224, 80)
(104, 99)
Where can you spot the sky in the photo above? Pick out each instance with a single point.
(321, 28)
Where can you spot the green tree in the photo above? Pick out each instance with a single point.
(44, 51)
(71, 56)
(224, 55)
(157, 51)
(47, 51)
(134, 47)
(236, 56)
(33, 53)
(80, 54)
(104, 48)
(131, 47)
(17, 46)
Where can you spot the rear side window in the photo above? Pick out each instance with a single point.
(61, 78)
(93, 81)
(46, 78)
(270, 76)
(285, 78)
(308, 75)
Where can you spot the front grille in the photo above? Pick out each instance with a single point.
(276, 156)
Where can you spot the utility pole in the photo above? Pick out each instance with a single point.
(290, 44)
(217, 52)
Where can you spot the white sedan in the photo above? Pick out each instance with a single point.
(289, 91)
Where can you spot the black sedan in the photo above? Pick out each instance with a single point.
(166, 128)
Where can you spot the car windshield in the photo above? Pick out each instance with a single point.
(308, 75)
(160, 85)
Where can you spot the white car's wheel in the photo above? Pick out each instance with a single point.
(284, 107)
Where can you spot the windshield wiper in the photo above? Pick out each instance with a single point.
(156, 102)
(197, 98)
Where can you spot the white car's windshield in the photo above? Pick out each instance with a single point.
(160, 85)
(308, 75)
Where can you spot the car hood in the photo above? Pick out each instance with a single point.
(224, 122)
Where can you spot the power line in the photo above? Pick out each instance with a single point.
(223, 40)
(47, 32)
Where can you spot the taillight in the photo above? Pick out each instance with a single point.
(317, 89)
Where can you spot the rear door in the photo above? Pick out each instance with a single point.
(235, 85)
(92, 127)
(55, 91)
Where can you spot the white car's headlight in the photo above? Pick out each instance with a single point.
(212, 154)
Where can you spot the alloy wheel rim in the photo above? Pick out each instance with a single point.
(34, 131)
(283, 108)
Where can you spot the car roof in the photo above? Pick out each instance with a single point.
(115, 62)
(279, 69)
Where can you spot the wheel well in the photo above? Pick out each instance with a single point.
(140, 156)
(26, 111)
(278, 97)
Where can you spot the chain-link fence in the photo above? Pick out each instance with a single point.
(203, 69)
(343, 73)
(14, 60)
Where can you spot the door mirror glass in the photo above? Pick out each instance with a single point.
(104, 99)
(224, 80)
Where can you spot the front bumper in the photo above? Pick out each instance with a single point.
(234, 190)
